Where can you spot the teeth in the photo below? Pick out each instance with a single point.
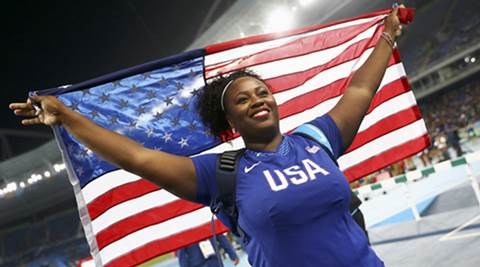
(260, 113)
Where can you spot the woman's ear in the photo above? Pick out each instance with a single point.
(230, 123)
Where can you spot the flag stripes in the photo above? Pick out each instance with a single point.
(129, 220)
(118, 195)
(317, 49)
(154, 248)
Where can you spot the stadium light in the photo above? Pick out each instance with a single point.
(305, 3)
(59, 167)
(22, 184)
(473, 59)
(11, 187)
(279, 19)
(47, 174)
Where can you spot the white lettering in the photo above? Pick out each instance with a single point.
(312, 168)
(295, 170)
(271, 181)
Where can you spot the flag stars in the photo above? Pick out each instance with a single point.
(207, 133)
(123, 103)
(192, 126)
(132, 126)
(195, 92)
(140, 110)
(163, 81)
(184, 106)
(117, 84)
(94, 114)
(167, 137)
(134, 88)
(84, 153)
(158, 115)
(113, 120)
(86, 92)
(168, 101)
(147, 75)
(74, 106)
(150, 132)
(175, 121)
(151, 94)
(191, 74)
(80, 171)
(179, 86)
(104, 97)
(183, 142)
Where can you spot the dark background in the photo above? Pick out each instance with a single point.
(51, 43)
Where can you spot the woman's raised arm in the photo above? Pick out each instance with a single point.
(173, 173)
(352, 107)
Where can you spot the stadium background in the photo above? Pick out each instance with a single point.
(53, 43)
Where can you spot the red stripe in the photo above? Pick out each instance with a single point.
(296, 48)
(385, 126)
(267, 37)
(144, 219)
(386, 158)
(118, 195)
(162, 246)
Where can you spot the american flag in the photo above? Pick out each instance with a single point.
(128, 220)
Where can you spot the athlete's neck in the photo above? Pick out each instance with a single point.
(263, 145)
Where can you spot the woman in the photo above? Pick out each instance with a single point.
(292, 198)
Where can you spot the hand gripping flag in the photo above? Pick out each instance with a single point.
(128, 220)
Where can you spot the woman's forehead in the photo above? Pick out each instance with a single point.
(247, 83)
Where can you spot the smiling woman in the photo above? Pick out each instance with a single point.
(292, 199)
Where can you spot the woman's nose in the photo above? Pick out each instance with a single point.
(257, 102)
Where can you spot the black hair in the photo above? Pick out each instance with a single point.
(209, 106)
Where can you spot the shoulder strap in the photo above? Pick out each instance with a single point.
(226, 177)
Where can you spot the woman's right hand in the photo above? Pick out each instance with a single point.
(50, 113)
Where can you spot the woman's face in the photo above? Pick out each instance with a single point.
(251, 108)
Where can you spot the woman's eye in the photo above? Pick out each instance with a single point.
(242, 100)
(263, 93)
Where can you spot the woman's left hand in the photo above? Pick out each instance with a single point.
(392, 23)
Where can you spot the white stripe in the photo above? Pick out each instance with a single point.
(245, 50)
(299, 63)
(106, 182)
(155, 232)
(383, 143)
(131, 207)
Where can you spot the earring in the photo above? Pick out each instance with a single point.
(233, 130)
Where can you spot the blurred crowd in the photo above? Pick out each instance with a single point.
(453, 29)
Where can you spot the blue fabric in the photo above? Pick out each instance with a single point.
(155, 108)
(192, 255)
(293, 205)
(315, 133)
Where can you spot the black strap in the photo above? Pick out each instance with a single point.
(226, 177)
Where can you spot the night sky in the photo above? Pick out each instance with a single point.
(51, 43)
